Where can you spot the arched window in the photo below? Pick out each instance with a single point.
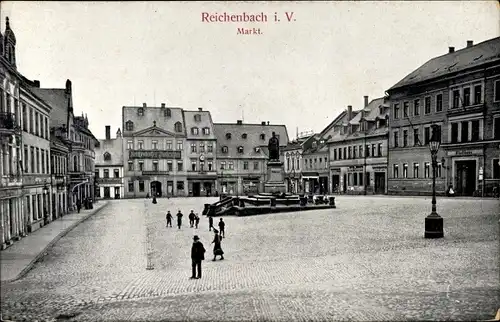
(224, 149)
(107, 156)
(178, 127)
(240, 149)
(140, 111)
(228, 136)
(262, 136)
(129, 126)
(244, 136)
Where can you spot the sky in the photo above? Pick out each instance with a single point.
(301, 73)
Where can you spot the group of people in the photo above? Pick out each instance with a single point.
(197, 249)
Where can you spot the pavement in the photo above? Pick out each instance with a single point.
(18, 259)
(366, 260)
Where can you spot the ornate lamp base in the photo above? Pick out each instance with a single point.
(434, 226)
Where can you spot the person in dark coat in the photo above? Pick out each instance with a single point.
(217, 245)
(169, 218)
(210, 223)
(197, 255)
(196, 220)
(78, 205)
(191, 218)
(179, 219)
(222, 226)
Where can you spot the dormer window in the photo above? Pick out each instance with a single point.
(178, 127)
(206, 131)
(168, 112)
(244, 136)
(381, 110)
(240, 149)
(140, 111)
(194, 131)
(262, 136)
(129, 126)
(107, 156)
(197, 118)
(228, 136)
(224, 149)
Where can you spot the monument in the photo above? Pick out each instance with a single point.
(275, 173)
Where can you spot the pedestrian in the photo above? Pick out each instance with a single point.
(222, 226)
(191, 218)
(179, 219)
(169, 218)
(197, 220)
(210, 223)
(197, 255)
(217, 245)
(78, 205)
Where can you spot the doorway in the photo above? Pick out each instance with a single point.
(106, 192)
(335, 183)
(465, 177)
(345, 183)
(207, 186)
(170, 188)
(117, 192)
(196, 189)
(379, 182)
(155, 188)
(54, 203)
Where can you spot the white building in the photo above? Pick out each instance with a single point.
(109, 167)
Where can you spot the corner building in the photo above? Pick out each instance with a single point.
(109, 166)
(459, 92)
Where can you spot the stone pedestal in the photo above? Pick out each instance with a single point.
(275, 177)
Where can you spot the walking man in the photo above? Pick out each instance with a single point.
(191, 218)
(196, 220)
(179, 219)
(222, 226)
(197, 255)
(210, 223)
(78, 205)
(169, 218)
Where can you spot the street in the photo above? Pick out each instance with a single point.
(365, 260)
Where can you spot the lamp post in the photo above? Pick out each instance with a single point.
(434, 222)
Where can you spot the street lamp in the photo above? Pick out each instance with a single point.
(434, 222)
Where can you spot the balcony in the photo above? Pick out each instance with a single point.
(109, 180)
(8, 124)
(155, 173)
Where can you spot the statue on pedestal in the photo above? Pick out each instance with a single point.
(274, 148)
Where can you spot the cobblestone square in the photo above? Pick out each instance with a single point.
(366, 260)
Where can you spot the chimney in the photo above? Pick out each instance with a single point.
(200, 109)
(263, 123)
(36, 83)
(68, 86)
(118, 133)
(239, 122)
(144, 105)
(451, 50)
(349, 113)
(470, 43)
(267, 122)
(108, 132)
(366, 100)
(162, 104)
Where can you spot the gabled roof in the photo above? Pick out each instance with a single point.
(205, 122)
(480, 54)
(252, 141)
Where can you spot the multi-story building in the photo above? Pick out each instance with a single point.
(358, 149)
(59, 154)
(11, 194)
(293, 162)
(315, 170)
(109, 166)
(242, 155)
(458, 92)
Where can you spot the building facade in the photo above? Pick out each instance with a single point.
(109, 166)
(242, 155)
(292, 154)
(59, 154)
(315, 169)
(458, 93)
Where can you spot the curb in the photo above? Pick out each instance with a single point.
(52, 242)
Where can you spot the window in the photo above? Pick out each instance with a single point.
(405, 138)
(367, 150)
(178, 127)
(155, 165)
(427, 105)
(245, 165)
(129, 126)
(497, 90)
(206, 131)
(263, 136)
(224, 149)
(130, 145)
(131, 166)
(180, 185)
(334, 154)
(106, 173)
(349, 154)
(140, 145)
(193, 165)
(354, 152)
(340, 154)
(179, 166)
(194, 131)
(202, 147)
(475, 131)
(379, 149)
(478, 94)
(31, 123)
(141, 186)
(427, 135)
(456, 98)
(244, 136)
(141, 165)
(355, 177)
(415, 170)
(223, 165)
(179, 145)
(416, 139)
(465, 132)
(210, 147)
(360, 178)
(496, 169)
(466, 96)
(42, 153)
(395, 171)
(405, 170)
(37, 160)
(396, 139)
(228, 136)
(454, 132)
(130, 186)
(197, 118)
(427, 167)
(140, 112)
(170, 166)
(373, 150)
(168, 112)
(396, 111)
(25, 157)
(256, 165)
(47, 130)
(154, 145)
(193, 147)
(416, 107)
(37, 124)
(210, 165)
(439, 102)
(25, 118)
(496, 126)
(438, 170)
(230, 165)
(107, 156)
(405, 109)
(116, 173)
(360, 149)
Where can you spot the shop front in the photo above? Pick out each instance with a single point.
(251, 185)
(201, 186)
(310, 182)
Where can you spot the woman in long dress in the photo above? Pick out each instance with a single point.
(217, 245)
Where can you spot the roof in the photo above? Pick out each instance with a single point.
(151, 115)
(204, 122)
(252, 140)
(372, 110)
(480, 54)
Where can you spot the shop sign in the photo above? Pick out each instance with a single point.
(465, 152)
(154, 154)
